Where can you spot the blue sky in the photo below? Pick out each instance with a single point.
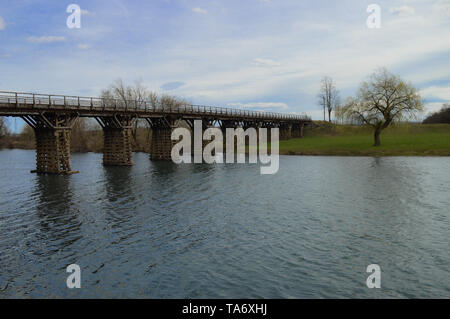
(261, 54)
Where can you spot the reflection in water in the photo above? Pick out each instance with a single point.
(118, 183)
(120, 193)
(158, 229)
(58, 217)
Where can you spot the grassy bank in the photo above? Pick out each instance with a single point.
(325, 139)
(399, 140)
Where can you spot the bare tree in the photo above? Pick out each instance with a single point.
(119, 93)
(328, 96)
(382, 100)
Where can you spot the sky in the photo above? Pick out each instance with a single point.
(258, 54)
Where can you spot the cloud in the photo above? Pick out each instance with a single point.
(265, 62)
(87, 13)
(172, 85)
(83, 46)
(2, 24)
(262, 105)
(442, 7)
(46, 39)
(243, 55)
(436, 92)
(402, 11)
(200, 10)
(433, 107)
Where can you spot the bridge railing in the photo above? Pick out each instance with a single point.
(35, 100)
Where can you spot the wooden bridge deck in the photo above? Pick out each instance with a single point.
(19, 104)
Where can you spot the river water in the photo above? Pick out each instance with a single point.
(161, 230)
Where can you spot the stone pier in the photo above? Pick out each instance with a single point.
(285, 131)
(52, 134)
(297, 130)
(206, 123)
(117, 133)
(161, 145)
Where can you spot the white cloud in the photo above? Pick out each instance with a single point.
(2, 24)
(402, 11)
(265, 62)
(200, 10)
(432, 107)
(262, 105)
(83, 46)
(436, 92)
(442, 7)
(87, 13)
(219, 64)
(46, 39)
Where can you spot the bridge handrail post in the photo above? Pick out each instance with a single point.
(92, 104)
(34, 100)
(79, 105)
(65, 101)
(49, 101)
(17, 100)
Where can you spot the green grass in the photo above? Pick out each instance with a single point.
(399, 140)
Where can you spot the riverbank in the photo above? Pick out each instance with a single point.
(345, 140)
(324, 139)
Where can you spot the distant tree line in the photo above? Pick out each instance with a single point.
(440, 117)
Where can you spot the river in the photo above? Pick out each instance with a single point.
(161, 230)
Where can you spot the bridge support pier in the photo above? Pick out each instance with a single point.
(206, 123)
(285, 131)
(117, 150)
(268, 127)
(161, 145)
(229, 124)
(297, 130)
(52, 133)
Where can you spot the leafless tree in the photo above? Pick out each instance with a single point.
(382, 100)
(119, 93)
(125, 95)
(328, 96)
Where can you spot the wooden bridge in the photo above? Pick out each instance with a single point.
(53, 116)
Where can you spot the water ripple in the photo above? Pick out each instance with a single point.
(162, 230)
